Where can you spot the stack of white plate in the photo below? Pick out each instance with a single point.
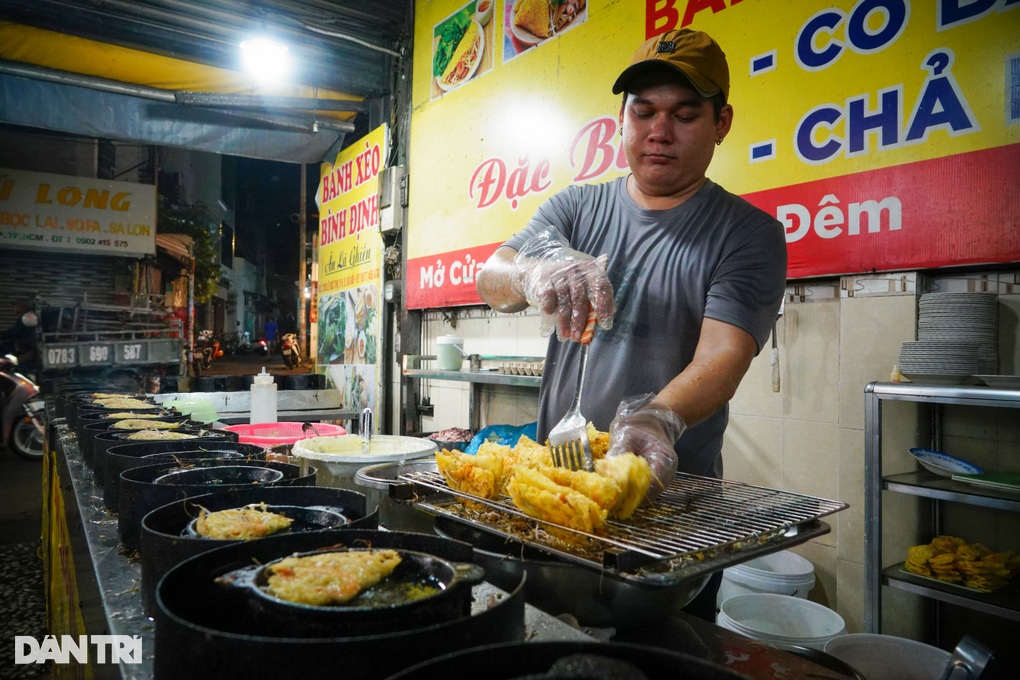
(936, 361)
(962, 317)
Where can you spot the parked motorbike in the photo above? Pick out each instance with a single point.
(207, 348)
(23, 419)
(290, 350)
(259, 346)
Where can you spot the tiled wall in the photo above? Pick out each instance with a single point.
(809, 436)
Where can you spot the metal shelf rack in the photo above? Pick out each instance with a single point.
(1004, 602)
(416, 367)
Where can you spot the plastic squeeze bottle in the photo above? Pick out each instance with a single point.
(263, 399)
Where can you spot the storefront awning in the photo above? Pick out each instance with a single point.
(74, 85)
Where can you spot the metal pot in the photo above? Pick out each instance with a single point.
(126, 456)
(819, 657)
(202, 629)
(166, 541)
(139, 494)
(596, 599)
(376, 480)
(451, 597)
(554, 660)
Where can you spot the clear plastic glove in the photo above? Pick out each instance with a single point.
(562, 284)
(649, 433)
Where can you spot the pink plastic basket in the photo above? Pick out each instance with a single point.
(272, 434)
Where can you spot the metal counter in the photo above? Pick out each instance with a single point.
(109, 579)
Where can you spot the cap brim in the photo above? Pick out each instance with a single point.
(649, 67)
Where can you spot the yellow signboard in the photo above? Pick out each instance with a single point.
(871, 128)
(350, 267)
(76, 214)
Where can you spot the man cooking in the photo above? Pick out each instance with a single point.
(692, 281)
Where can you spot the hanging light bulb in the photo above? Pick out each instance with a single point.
(266, 59)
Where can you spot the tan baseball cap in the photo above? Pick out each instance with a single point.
(692, 54)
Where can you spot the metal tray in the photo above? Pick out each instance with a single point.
(699, 524)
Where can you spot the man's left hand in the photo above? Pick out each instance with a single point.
(649, 433)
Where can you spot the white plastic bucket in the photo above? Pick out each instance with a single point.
(886, 657)
(449, 353)
(781, 618)
(782, 573)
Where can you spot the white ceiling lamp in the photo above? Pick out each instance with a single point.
(267, 60)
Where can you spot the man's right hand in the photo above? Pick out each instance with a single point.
(563, 284)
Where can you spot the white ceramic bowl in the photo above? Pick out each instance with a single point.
(943, 464)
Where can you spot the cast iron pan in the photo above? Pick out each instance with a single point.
(383, 608)
(92, 424)
(82, 405)
(202, 629)
(91, 417)
(556, 587)
(554, 660)
(139, 495)
(126, 456)
(221, 474)
(166, 541)
(106, 440)
(302, 518)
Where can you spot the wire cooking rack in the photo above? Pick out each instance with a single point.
(696, 520)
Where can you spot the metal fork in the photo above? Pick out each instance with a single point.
(569, 438)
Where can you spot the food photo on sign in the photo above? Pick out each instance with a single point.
(527, 23)
(348, 326)
(462, 46)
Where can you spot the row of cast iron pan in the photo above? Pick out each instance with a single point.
(204, 626)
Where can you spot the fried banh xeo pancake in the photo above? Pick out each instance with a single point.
(540, 497)
(159, 435)
(124, 403)
(573, 498)
(142, 424)
(123, 415)
(479, 475)
(331, 577)
(251, 521)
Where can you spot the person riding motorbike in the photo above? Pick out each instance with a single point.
(20, 338)
(290, 350)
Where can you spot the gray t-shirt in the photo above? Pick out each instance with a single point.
(713, 256)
